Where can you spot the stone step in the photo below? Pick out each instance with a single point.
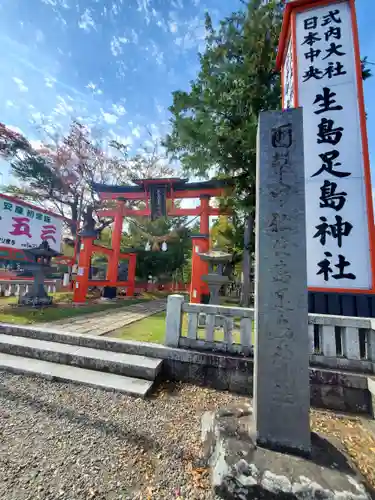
(104, 343)
(130, 365)
(55, 371)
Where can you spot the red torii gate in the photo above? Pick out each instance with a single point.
(155, 193)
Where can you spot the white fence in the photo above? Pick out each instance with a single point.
(335, 341)
(10, 288)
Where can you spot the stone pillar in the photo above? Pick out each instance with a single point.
(173, 321)
(281, 372)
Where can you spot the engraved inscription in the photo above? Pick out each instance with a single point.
(281, 137)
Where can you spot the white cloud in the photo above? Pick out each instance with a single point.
(159, 107)
(156, 53)
(154, 128)
(21, 86)
(117, 43)
(87, 22)
(177, 4)
(162, 24)
(136, 132)
(119, 109)
(115, 9)
(37, 116)
(94, 87)
(134, 36)
(159, 58)
(173, 27)
(172, 77)
(122, 69)
(49, 81)
(39, 36)
(128, 140)
(193, 36)
(62, 107)
(57, 3)
(143, 6)
(109, 118)
(9, 103)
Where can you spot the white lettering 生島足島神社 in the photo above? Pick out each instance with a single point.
(338, 248)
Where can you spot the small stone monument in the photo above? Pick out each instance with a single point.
(39, 264)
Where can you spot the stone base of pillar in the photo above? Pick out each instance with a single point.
(35, 301)
(242, 469)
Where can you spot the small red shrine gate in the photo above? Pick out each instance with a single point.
(154, 193)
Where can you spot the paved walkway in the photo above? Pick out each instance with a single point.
(107, 321)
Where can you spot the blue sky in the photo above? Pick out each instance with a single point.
(114, 63)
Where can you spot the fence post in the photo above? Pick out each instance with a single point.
(371, 344)
(351, 343)
(173, 323)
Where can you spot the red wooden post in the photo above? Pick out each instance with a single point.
(113, 260)
(204, 243)
(197, 286)
(82, 279)
(195, 292)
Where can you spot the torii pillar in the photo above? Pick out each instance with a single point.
(200, 244)
(83, 275)
(113, 260)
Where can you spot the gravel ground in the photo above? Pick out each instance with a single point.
(69, 442)
(64, 441)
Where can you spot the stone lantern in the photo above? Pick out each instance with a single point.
(215, 279)
(39, 264)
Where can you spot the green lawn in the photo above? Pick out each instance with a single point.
(152, 329)
(9, 313)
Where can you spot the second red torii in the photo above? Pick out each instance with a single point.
(159, 197)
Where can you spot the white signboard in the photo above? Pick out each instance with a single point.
(288, 90)
(338, 251)
(23, 227)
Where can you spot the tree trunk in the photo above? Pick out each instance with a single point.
(74, 224)
(246, 295)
